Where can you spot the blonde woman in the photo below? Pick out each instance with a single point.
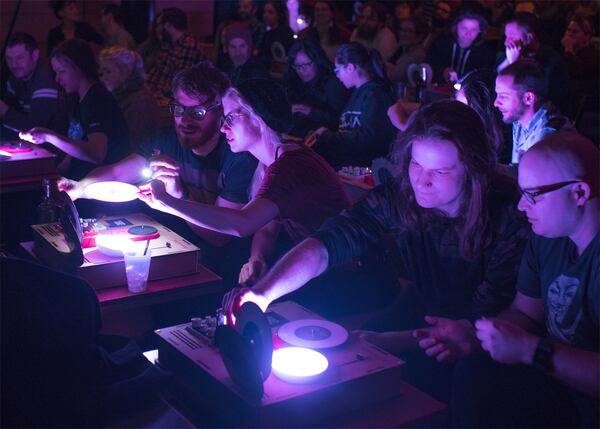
(122, 72)
(293, 187)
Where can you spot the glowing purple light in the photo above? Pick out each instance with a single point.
(5, 155)
(113, 192)
(298, 365)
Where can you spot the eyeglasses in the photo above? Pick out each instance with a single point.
(304, 66)
(530, 196)
(194, 112)
(337, 69)
(229, 119)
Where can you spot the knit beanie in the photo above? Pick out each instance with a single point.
(269, 101)
(238, 30)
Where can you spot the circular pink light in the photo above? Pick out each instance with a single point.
(298, 365)
(112, 192)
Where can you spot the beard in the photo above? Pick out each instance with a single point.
(516, 114)
(192, 137)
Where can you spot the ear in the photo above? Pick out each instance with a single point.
(582, 193)
(527, 38)
(529, 98)
(351, 67)
(35, 54)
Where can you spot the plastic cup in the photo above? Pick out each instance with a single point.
(137, 266)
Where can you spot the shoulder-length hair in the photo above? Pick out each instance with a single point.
(456, 123)
(369, 60)
(124, 57)
(316, 54)
(267, 135)
(79, 55)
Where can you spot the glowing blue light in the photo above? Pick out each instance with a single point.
(300, 21)
(457, 86)
(298, 364)
(146, 172)
(295, 36)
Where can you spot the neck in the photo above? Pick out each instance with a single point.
(264, 152)
(588, 226)
(207, 148)
(84, 87)
(361, 80)
(526, 117)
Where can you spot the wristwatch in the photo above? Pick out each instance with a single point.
(542, 356)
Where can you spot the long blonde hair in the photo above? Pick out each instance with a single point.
(124, 57)
(267, 135)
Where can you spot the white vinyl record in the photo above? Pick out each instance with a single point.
(113, 192)
(313, 334)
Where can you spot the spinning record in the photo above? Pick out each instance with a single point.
(247, 350)
(113, 192)
(5, 155)
(313, 334)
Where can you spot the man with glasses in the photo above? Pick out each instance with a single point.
(545, 348)
(192, 158)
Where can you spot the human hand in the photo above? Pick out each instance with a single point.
(313, 137)
(447, 340)
(73, 188)
(155, 194)
(252, 271)
(167, 171)
(513, 50)
(568, 44)
(505, 341)
(235, 298)
(303, 109)
(450, 76)
(37, 135)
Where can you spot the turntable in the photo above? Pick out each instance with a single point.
(92, 248)
(21, 159)
(254, 375)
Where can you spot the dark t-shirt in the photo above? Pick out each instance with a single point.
(441, 281)
(219, 174)
(98, 112)
(305, 189)
(569, 288)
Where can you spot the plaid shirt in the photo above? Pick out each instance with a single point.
(172, 58)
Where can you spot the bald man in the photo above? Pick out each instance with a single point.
(544, 369)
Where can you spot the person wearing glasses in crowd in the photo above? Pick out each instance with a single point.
(455, 229)
(540, 358)
(317, 96)
(365, 132)
(522, 99)
(293, 187)
(97, 133)
(192, 159)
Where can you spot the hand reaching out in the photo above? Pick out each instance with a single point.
(505, 341)
(252, 271)
(447, 340)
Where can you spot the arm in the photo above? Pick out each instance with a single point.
(263, 245)
(93, 150)
(215, 238)
(44, 103)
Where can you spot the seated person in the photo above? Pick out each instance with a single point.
(122, 72)
(522, 41)
(317, 96)
(583, 56)
(452, 57)
(539, 358)
(365, 132)
(241, 65)
(71, 25)
(455, 228)
(193, 158)
(522, 98)
(278, 38)
(411, 34)
(111, 18)
(97, 132)
(293, 187)
(325, 28)
(371, 31)
(32, 94)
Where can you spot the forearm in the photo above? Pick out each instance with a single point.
(264, 242)
(128, 170)
(519, 318)
(578, 369)
(503, 65)
(86, 151)
(304, 262)
(39, 115)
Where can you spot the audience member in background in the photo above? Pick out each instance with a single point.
(97, 132)
(582, 56)
(247, 13)
(71, 25)
(150, 48)
(441, 20)
(476, 90)
(326, 29)
(371, 31)
(411, 34)
(522, 42)
(521, 97)
(365, 131)
(179, 50)
(278, 37)
(452, 57)
(317, 96)
(122, 72)
(540, 357)
(32, 97)
(111, 19)
(193, 158)
(241, 65)
(293, 187)
(401, 10)
(456, 232)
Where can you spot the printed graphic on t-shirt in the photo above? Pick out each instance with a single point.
(75, 130)
(350, 119)
(564, 307)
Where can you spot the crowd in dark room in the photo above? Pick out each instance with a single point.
(471, 251)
